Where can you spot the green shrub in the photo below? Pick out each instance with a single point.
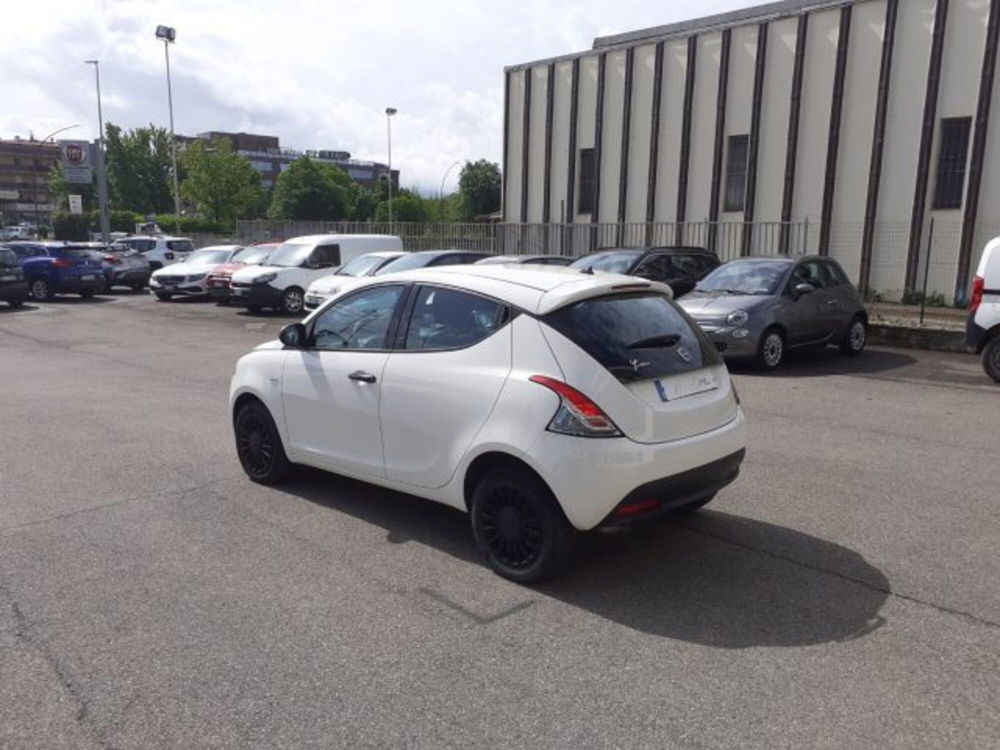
(73, 227)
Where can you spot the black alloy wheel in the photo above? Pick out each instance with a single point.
(258, 445)
(519, 526)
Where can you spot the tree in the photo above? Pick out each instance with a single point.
(61, 190)
(221, 184)
(139, 164)
(311, 190)
(406, 206)
(479, 184)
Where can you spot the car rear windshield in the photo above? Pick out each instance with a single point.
(615, 262)
(635, 336)
(363, 265)
(8, 258)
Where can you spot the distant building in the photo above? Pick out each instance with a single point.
(843, 127)
(24, 181)
(268, 158)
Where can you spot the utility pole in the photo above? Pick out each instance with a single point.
(168, 35)
(102, 174)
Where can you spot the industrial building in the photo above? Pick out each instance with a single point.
(25, 166)
(857, 129)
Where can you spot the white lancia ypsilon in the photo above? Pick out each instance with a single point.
(544, 402)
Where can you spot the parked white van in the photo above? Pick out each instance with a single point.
(295, 264)
(982, 330)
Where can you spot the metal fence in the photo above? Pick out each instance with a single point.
(728, 239)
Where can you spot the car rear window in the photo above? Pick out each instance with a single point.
(635, 336)
(181, 246)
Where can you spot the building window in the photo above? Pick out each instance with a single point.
(952, 158)
(588, 182)
(736, 173)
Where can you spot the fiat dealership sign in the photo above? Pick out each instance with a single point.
(76, 161)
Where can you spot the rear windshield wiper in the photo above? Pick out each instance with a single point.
(663, 341)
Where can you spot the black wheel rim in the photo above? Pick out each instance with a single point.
(293, 301)
(255, 444)
(511, 528)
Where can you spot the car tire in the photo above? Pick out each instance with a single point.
(258, 445)
(292, 301)
(519, 526)
(138, 287)
(40, 290)
(771, 350)
(855, 337)
(15, 302)
(991, 358)
(163, 296)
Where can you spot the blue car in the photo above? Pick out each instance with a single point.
(52, 268)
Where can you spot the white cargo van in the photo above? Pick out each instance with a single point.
(296, 263)
(982, 330)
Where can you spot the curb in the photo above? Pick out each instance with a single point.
(909, 337)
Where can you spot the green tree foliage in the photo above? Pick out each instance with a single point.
(313, 191)
(138, 163)
(61, 190)
(406, 206)
(221, 184)
(479, 185)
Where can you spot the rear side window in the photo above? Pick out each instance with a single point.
(836, 274)
(8, 258)
(449, 319)
(636, 336)
(180, 246)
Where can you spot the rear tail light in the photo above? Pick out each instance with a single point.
(62, 263)
(112, 259)
(634, 509)
(168, 256)
(978, 285)
(577, 415)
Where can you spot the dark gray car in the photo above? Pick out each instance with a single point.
(758, 308)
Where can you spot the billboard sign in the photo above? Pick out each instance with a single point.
(76, 162)
(75, 204)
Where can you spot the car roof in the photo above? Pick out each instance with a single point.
(785, 258)
(153, 237)
(306, 238)
(654, 248)
(535, 288)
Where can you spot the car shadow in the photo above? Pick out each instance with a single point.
(828, 361)
(25, 307)
(75, 299)
(711, 578)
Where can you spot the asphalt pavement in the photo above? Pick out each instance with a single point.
(843, 592)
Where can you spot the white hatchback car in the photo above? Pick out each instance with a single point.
(189, 277)
(542, 401)
(982, 330)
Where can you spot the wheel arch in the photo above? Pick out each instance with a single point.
(991, 333)
(486, 462)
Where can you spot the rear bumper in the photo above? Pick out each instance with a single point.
(129, 276)
(592, 477)
(255, 295)
(78, 286)
(975, 335)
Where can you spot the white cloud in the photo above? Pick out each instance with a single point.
(318, 75)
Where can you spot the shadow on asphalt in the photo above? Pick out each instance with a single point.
(76, 299)
(26, 307)
(829, 361)
(711, 578)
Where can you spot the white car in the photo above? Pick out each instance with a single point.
(160, 250)
(188, 278)
(297, 263)
(982, 330)
(542, 401)
(364, 265)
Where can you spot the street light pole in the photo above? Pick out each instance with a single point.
(441, 191)
(102, 174)
(168, 35)
(46, 138)
(389, 112)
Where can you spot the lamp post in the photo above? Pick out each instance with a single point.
(441, 191)
(389, 112)
(168, 35)
(102, 174)
(46, 138)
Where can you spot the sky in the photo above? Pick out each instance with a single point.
(319, 75)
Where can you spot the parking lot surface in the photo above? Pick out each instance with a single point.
(843, 592)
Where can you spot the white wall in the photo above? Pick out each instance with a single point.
(560, 139)
(587, 103)
(857, 126)
(515, 131)
(814, 122)
(739, 101)
(642, 113)
(611, 136)
(706, 88)
(671, 125)
(536, 148)
(775, 111)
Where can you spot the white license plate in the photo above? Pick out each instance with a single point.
(681, 386)
(88, 277)
(238, 292)
(8, 278)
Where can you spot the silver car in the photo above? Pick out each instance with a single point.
(759, 308)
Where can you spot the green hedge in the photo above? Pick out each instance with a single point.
(72, 227)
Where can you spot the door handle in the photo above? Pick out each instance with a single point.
(362, 376)
(831, 302)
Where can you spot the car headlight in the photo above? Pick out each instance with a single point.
(264, 278)
(738, 319)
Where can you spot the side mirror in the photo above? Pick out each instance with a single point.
(293, 336)
(803, 288)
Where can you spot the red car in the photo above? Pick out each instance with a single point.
(217, 282)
